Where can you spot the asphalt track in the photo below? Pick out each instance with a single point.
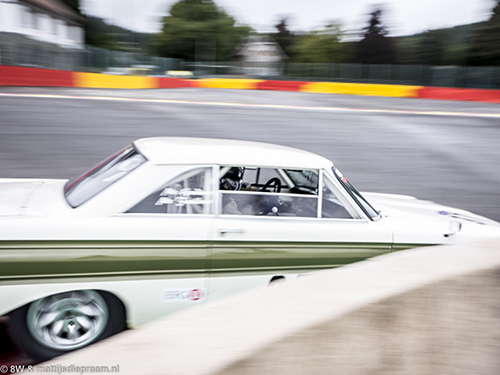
(445, 151)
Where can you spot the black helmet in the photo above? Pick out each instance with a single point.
(232, 179)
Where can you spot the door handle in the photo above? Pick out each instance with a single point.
(222, 232)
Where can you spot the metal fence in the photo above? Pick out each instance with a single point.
(17, 50)
(102, 60)
(420, 75)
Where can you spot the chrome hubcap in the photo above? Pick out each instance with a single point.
(68, 321)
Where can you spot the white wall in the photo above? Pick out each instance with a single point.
(21, 19)
(423, 311)
(8, 12)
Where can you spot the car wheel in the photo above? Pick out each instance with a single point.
(64, 322)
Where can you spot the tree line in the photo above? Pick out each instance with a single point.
(199, 30)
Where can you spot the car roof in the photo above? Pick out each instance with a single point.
(198, 151)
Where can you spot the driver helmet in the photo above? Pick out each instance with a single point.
(232, 180)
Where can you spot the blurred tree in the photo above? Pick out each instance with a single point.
(375, 47)
(199, 29)
(322, 46)
(375, 26)
(484, 47)
(406, 47)
(455, 54)
(430, 49)
(284, 37)
(98, 33)
(495, 13)
(435, 47)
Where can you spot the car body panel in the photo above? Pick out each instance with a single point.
(330, 243)
(416, 221)
(187, 151)
(143, 296)
(15, 195)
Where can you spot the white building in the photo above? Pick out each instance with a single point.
(44, 33)
(261, 56)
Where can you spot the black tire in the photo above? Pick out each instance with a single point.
(45, 328)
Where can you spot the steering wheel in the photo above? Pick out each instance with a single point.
(275, 183)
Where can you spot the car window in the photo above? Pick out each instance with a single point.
(270, 204)
(189, 193)
(80, 189)
(331, 205)
(304, 181)
(268, 192)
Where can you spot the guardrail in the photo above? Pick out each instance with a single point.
(20, 76)
(472, 77)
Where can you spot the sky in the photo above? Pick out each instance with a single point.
(402, 17)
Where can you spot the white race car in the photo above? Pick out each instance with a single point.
(169, 223)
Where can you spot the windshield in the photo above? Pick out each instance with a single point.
(362, 202)
(80, 189)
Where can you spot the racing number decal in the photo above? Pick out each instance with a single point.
(183, 295)
(195, 295)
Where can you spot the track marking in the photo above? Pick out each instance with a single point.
(275, 106)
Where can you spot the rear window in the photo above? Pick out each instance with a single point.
(80, 189)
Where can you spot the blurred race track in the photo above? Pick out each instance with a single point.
(444, 151)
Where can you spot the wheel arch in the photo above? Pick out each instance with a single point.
(277, 279)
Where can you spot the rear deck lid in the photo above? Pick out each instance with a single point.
(15, 194)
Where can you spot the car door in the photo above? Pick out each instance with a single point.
(261, 234)
(174, 223)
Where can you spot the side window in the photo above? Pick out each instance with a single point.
(189, 193)
(268, 192)
(331, 206)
